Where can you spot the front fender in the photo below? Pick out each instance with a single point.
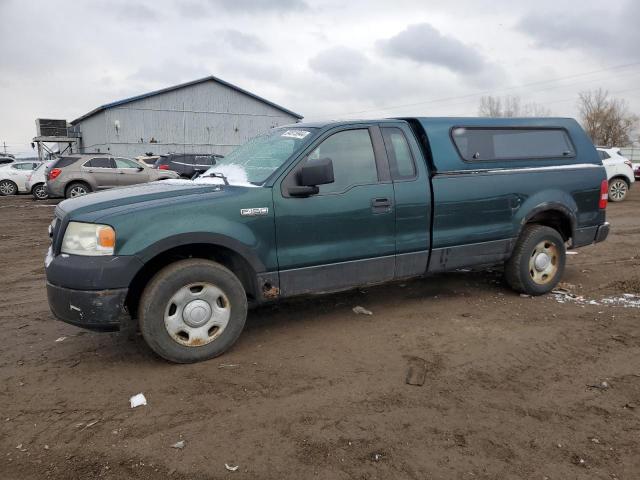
(213, 239)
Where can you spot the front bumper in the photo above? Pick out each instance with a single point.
(90, 292)
(101, 310)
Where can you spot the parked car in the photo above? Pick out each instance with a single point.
(13, 177)
(321, 207)
(619, 173)
(187, 164)
(77, 175)
(6, 160)
(636, 170)
(37, 181)
(148, 159)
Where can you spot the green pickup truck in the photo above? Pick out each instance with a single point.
(320, 207)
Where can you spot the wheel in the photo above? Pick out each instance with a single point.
(7, 187)
(192, 310)
(39, 191)
(618, 189)
(537, 262)
(77, 189)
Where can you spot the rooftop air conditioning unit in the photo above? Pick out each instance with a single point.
(51, 128)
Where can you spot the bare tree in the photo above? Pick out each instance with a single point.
(510, 106)
(606, 120)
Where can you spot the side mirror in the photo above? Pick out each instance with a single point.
(316, 172)
(312, 174)
(140, 169)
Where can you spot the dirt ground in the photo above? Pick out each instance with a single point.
(312, 390)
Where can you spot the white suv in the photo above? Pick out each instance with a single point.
(619, 172)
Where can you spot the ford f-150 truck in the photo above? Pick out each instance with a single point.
(320, 207)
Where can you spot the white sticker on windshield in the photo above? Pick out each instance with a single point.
(295, 134)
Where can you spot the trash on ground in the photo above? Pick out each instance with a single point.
(417, 371)
(376, 457)
(600, 386)
(362, 311)
(231, 468)
(138, 400)
(61, 339)
(228, 365)
(179, 445)
(90, 424)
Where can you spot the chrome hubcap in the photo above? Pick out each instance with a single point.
(78, 192)
(618, 190)
(197, 314)
(6, 188)
(40, 192)
(543, 264)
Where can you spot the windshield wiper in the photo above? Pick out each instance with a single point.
(217, 175)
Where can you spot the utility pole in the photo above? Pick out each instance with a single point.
(5, 147)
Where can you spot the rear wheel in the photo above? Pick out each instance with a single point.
(7, 187)
(537, 262)
(618, 189)
(192, 310)
(39, 191)
(77, 189)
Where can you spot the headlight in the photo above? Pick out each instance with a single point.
(88, 239)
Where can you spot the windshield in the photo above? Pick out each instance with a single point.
(263, 155)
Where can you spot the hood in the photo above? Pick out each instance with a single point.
(131, 196)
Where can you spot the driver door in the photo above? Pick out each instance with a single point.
(345, 235)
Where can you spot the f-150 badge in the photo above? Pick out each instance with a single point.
(254, 212)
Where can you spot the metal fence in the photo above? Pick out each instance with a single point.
(632, 153)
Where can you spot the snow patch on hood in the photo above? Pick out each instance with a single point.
(236, 175)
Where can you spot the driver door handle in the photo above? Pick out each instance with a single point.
(381, 205)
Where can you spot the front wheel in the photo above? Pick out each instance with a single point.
(192, 310)
(39, 191)
(618, 189)
(537, 262)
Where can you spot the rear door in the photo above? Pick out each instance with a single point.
(412, 194)
(130, 172)
(103, 172)
(343, 236)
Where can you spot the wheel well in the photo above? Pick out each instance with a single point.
(71, 182)
(554, 219)
(621, 177)
(222, 255)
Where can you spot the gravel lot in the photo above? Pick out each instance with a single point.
(312, 390)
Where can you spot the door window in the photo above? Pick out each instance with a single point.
(401, 161)
(126, 163)
(100, 162)
(354, 163)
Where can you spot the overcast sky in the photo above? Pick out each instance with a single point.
(324, 59)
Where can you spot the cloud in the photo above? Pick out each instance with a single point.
(260, 6)
(243, 42)
(610, 33)
(339, 62)
(423, 44)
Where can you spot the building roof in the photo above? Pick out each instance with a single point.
(183, 85)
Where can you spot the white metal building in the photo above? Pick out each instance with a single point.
(207, 115)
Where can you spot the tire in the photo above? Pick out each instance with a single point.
(528, 271)
(7, 188)
(618, 189)
(192, 310)
(76, 189)
(39, 191)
